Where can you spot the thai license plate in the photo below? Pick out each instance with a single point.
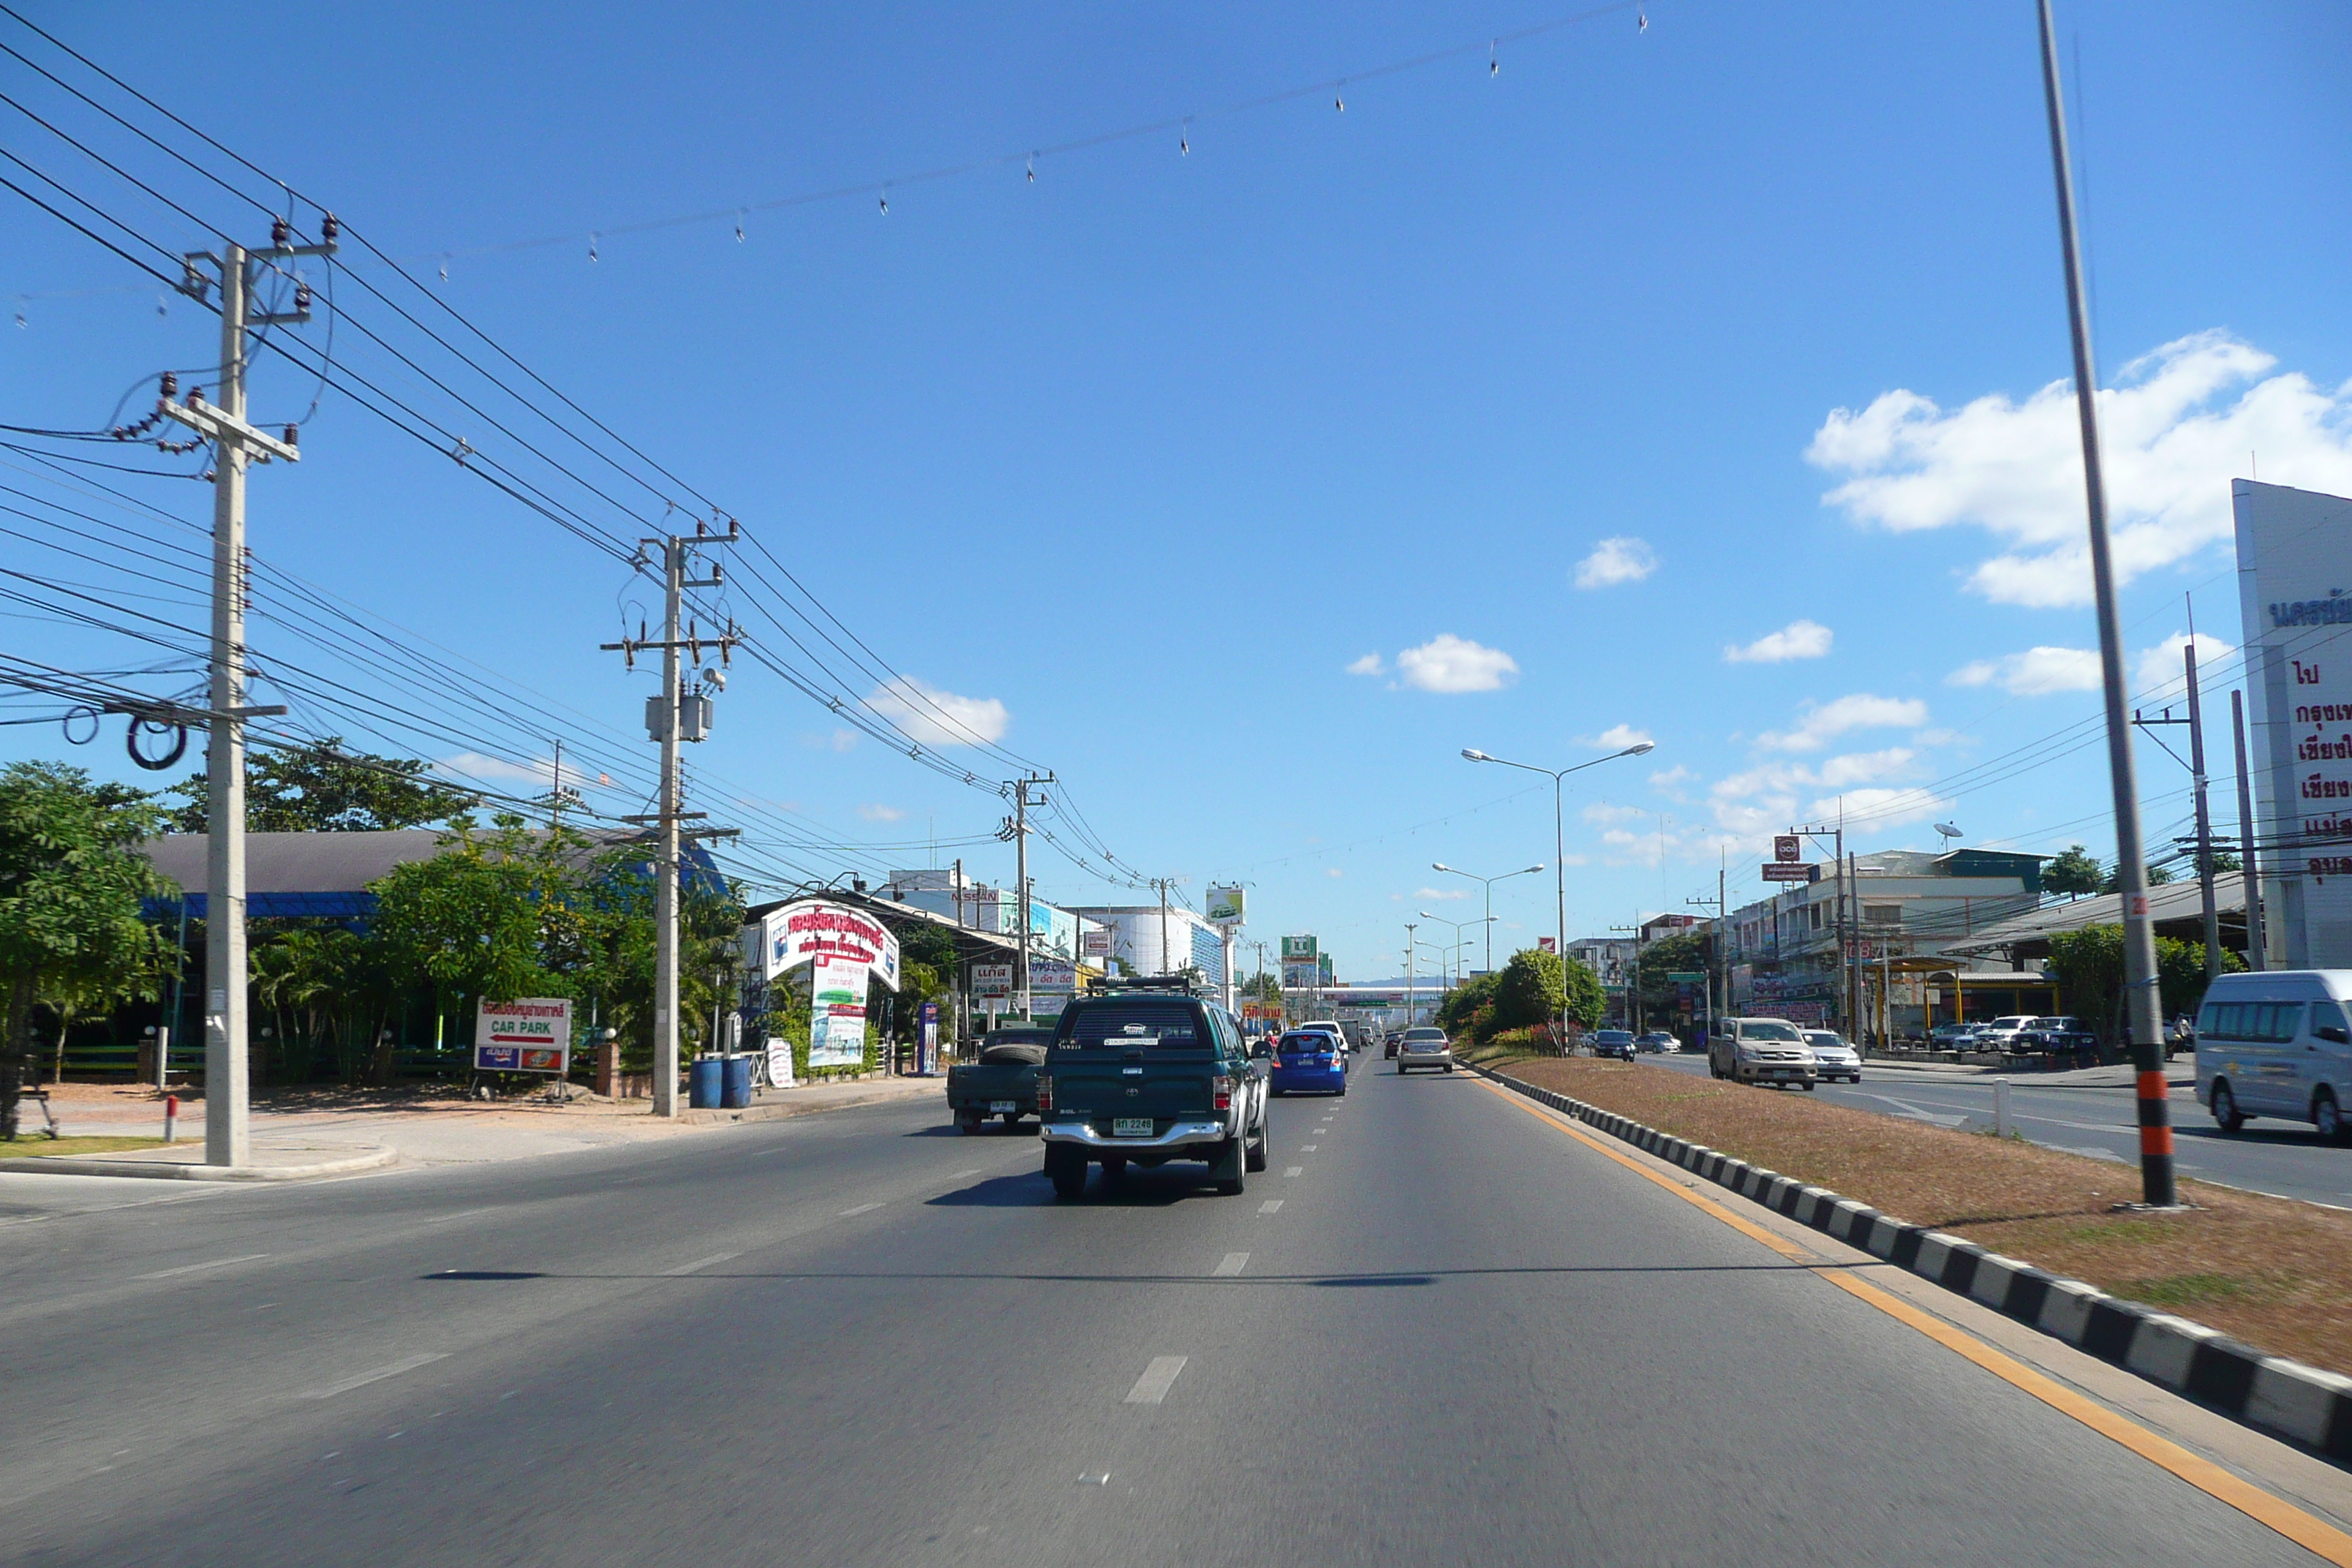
(1130, 1127)
(1002, 1105)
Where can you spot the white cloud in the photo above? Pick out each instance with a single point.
(1451, 664)
(1617, 737)
(2161, 676)
(1613, 561)
(2177, 425)
(1885, 807)
(1428, 893)
(931, 717)
(1333, 872)
(1860, 767)
(1603, 812)
(477, 767)
(1861, 710)
(1369, 664)
(839, 740)
(1798, 640)
(880, 813)
(2035, 672)
(1766, 798)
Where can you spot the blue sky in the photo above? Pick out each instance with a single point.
(1142, 458)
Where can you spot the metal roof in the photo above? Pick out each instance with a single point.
(2172, 901)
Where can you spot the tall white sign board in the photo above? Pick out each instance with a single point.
(2295, 592)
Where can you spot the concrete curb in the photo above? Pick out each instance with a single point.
(175, 1170)
(2281, 1397)
(779, 1111)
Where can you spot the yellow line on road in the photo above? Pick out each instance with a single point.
(2306, 1530)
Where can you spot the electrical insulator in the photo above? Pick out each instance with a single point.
(279, 234)
(329, 228)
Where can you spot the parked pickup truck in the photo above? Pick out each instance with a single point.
(1144, 1073)
(1003, 1082)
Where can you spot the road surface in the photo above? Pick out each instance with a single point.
(1439, 1330)
(2287, 1158)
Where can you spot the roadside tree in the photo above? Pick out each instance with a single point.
(2075, 873)
(323, 788)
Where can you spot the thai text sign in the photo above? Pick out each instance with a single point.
(992, 980)
(1785, 871)
(813, 929)
(530, 1034)
(837, 1011)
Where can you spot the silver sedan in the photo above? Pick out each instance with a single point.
(1425, 1048)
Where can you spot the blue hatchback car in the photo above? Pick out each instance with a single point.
(1309, 1061)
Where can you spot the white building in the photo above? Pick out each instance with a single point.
(1150, 940)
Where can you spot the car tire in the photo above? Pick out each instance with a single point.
(2226, 1114)
(2328, 1117)
(1809, 1088)
(1011, 1118)
(1449, 1067)
(1229, 1169)
(1066, 1169)
(970, 1123)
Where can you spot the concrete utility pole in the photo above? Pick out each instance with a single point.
(1410, 927)
(2204, 816)
(235, 442)
(675, 715)
(1716, 901)
(1835, 833)
(1020, 831)
(2142, 1004)
(2256, 958)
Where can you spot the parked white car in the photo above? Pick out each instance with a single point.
(2277, 1043)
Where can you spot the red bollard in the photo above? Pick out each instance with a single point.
(171, 1116)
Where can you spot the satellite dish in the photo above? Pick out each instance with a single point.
(1950, 832)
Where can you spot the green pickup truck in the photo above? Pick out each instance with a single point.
(1003, 1082)
(1144, 1074)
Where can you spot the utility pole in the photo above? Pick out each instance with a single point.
(1717, 902)
(2257, 958)
(2147, 1037)
(675, 715)
(1162, 884)
(1410, 927)
(2204, 816)
(235, 442)
(1017, 829)
(1835, 833)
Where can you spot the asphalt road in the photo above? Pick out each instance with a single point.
(2287, 1158)
(1449, 1333)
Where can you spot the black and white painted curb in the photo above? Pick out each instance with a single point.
(2284, 1397)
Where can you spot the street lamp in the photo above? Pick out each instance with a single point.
(1559, 836)
(1460, 942)
(1489, 881)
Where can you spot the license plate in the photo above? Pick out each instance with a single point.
(998, 1105)
(1130, 1127)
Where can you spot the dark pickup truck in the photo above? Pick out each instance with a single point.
(1003, 1082)
(1146, 1075)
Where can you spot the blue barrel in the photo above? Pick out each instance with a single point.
(703, 1083)
(737, 1093)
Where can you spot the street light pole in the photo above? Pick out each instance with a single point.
(1489, 884)
(1560, 839)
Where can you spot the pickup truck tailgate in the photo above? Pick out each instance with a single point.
(1098, 1085)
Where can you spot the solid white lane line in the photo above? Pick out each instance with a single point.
(1232, 1264)
(702, 1263)
(1152, 1386)
(211, 1263)
(1271, 1205)
(1294, 1170)
(376, 1375)
(1307, 1148)
(861, 1208)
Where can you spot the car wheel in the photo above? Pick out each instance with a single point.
(2226, 1114)
(2326, 1117)
(1449, 1067)
(1012, 1119)
(970, 1122)
(1228, 1168)
(1066, 1169)
(1809, 1088)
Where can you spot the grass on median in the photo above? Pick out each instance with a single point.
(2271, 1271)
(58, 1148)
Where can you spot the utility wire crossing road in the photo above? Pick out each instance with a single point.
(1465, 1333)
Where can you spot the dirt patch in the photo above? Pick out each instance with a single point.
(2271, 1271)
(62, 1148)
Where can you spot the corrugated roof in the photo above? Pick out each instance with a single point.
(2172, 901)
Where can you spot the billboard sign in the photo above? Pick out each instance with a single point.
(1226, 906)
(529, 1034)
(1786, 848)
(1785, 871)
(1300, 976)
(1053, 974)
(992, 980)
(2294, 606)
(1097, 944)
(812, 928)
(837, 1011)
(1298, 950)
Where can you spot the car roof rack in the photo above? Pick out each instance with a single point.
(1181, 984)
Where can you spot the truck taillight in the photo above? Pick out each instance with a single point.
(1224, 1088)
(1044, 1093)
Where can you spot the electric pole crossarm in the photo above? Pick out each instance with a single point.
(215, 426)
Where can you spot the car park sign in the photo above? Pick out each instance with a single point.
(529, 1034)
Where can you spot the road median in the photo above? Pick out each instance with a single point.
(2031, 1232)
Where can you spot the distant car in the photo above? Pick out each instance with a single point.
(1388, 1043)
(1308, 1061)
(1953, 1037)
(1657, 1041)
(2001, 1033)
(1832, 1057)
(1618, 1043)
(1423, 1047)
(1326, 1026)
(2060, 1035)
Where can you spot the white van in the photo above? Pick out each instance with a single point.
(2277, 1044)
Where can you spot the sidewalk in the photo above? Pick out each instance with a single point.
(312, 1134)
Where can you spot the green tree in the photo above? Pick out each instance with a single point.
(323, 788)
(71, 883)
(2158, 875)
(2073, 873)
(1682, 953)
(1458, 1009)
(2088, 965)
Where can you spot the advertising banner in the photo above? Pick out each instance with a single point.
(1097, 944)
(837, 1011)
(927, 1052)
(1300, 976)
(1298, 950)
(813, 929)
(780, 1061)
(530, 1034)
(2293, 605)
(992, 980)
(1226, 906)
(1789, 871)
(1547, 945)
(1053, 974)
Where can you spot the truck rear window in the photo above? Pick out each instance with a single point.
(1133, 1025)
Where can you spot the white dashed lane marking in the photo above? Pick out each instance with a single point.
(375, 1374)
(211, 1263)
(1271, 1205)
(1294, 1170)
(1233, 1263)
(1307, 1148)
(1152, 1386)
(700, 1263)
(861, 1208)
